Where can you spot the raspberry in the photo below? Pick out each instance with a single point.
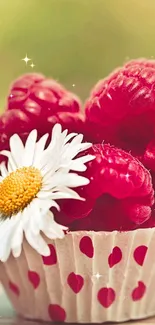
(74, 122)
(121, 110)
(37, 102)
(119, 196)
(34, 94)
(142, 62)
(13, 121)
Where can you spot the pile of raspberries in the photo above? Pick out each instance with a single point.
(119, 119)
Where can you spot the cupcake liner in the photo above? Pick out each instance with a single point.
(89, 277)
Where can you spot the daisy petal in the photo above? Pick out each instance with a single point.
(69, 137)
(85, 146)
(51, 234)
(3, 169)
(7, 230)
(52, 229)
(17, 149)
(44, 195)
(79, 163)
(69, 180)
(34, 216)
(5, 153)
(16, 251)
(25, 217)
(78, 139)
(37, 242)
(5, 250)
(30, 149)
(56, 132)
(45, 205)
(10, 170)
(65, 195)
(16, 244)
(11, 163)
(40, 145)
(50, 160)
(73, 194)
(72, 149)
(64, 133)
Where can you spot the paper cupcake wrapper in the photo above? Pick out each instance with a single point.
(89, 277)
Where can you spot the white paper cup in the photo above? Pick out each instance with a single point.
(89, 277)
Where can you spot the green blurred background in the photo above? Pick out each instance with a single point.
(76, 42)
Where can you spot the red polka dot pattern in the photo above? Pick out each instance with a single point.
(106, 297)
(86, 246)
(14, 288)
(52, 258)
(115, 257)
(140, 254)
(34, 278)
(56, 313)
(75, 281)
(139, 291)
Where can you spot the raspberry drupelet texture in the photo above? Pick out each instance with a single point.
(119, 196)
(122, 107)
(37, 102)
(35, 94)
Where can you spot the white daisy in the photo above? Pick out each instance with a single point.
(34, 179)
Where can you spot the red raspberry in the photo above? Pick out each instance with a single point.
(120, 193)
(13, 121)
(35, 94)
(37, 102)
(142, 62)
(74, 122)
(121, 110)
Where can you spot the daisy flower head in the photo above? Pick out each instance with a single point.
(36, 177)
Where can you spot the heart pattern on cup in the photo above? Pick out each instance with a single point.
(14, 288)
(75, 281)
(86, 246)
(106, 297)
(56, 313)
(115, 257)
(34, 278)
(139, 291)
(140, 254)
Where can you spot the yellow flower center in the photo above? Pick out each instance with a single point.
(18, 189)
